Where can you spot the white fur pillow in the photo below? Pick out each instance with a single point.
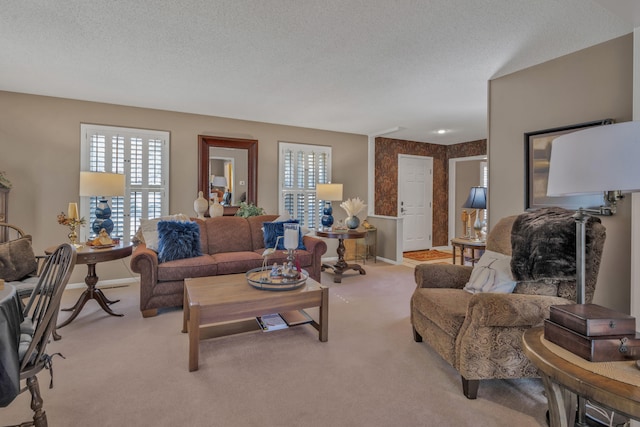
(492, 273)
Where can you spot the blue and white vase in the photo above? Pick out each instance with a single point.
(103, 218)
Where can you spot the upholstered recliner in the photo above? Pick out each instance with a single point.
(479, 334)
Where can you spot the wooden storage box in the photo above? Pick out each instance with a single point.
(592, 320)
(609, 348)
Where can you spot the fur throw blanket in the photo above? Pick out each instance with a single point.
(543, 244)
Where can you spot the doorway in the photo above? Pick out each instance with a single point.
(464, 173)
(415, 201)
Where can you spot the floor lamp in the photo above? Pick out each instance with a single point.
(602, 159)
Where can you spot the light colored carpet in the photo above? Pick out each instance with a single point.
(427, 255)
(130, 371)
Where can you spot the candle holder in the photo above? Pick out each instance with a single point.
(73, 223)
(73, 236)
(291, 236)
(289, 271)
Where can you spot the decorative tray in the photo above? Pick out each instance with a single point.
(261, 279)
(112, 245)
(115, 243)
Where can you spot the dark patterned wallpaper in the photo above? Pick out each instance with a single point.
(386, 176)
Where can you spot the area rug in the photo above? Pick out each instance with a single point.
(427, 255)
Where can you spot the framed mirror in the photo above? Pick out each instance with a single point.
(235, 160)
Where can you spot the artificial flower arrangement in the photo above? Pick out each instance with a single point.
(353, 206)
(70, 222)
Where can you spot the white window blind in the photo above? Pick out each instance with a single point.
(301, 167)
(484, 175)
(484, 182)
(143, 157)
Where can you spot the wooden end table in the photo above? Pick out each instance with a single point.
(226, 298)
(341, 266)
(91, 256)
(463, 243)
(564, 381)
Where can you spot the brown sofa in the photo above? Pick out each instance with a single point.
(479, 334)
(229, 244)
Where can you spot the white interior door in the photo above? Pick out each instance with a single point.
(415, 198)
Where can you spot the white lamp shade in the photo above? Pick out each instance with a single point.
(101, 184)
(219, 181)
(329, 192)
(594, 160)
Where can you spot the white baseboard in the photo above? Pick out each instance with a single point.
(389, 261)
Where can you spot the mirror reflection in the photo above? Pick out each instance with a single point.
(228, 175)
(228, 170)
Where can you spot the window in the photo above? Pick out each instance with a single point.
(484, 175)
(484, 182)
(143, 157)
(301, 168)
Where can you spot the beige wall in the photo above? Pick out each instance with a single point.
(40, 151)
(591, 84)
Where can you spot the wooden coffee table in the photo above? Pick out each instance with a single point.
(212, 300)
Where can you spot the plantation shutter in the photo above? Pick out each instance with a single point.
(301, 168)
(143, 157)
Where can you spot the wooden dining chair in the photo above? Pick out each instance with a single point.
(40, 317)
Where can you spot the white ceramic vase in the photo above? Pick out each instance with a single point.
(216, 209)
(200, 205)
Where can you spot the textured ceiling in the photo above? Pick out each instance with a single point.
(359, 66)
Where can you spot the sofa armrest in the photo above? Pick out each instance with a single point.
(143, 259)
(314, 244)
(442, 275)
(317, 247)
(510, 310)
(145, 262)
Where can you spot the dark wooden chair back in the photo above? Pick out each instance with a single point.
(41, 314)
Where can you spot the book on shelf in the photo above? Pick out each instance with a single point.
(271, 322)
(296, 317)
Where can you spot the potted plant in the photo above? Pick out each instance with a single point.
(249, 209)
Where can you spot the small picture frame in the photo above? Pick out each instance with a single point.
(537, 148)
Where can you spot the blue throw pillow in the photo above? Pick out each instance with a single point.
(178, 240)
(272, 230)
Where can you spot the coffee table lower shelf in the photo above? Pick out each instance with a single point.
(223, 305)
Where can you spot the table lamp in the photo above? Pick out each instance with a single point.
(328, 193)
(477, 200)
(602, 159)
(219, 182)
(102, 185)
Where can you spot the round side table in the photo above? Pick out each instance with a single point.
(92, 256)
(341, 266)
